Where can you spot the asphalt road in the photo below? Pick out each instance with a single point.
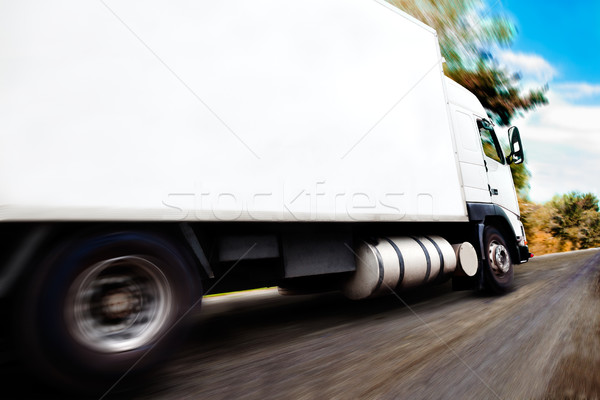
(541, 341)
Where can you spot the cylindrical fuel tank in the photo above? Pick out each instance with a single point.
(466, 259)
(399, 263)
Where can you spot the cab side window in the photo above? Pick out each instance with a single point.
(491, 146)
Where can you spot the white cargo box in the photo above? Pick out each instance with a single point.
(223, 110)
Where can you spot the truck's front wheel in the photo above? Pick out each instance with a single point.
(497, 267)
(102, 305)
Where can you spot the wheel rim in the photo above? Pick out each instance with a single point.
(499, 258)
(119, 304)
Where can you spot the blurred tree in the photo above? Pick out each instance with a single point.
(535, 218)
(567, 222)
(463, 29)
(467, 34)
(498, 92)
(575, 218)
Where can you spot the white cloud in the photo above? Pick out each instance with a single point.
(561, 139)
(531, 66)
(564, 123)
(577, 90)
(562, 142)
(560, 171)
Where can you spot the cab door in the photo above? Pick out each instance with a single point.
(468, 149)
(501, 187)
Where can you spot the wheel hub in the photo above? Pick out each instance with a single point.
(499, 257)
(119, 304)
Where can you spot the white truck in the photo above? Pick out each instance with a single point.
(152, 152)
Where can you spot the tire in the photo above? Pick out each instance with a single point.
(104, 305)
(498, 274)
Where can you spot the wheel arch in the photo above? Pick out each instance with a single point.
(488, 214)
(37, 238)
(504, 227)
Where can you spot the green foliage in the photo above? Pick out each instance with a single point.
(498, 92)
(567, 222)
(575, 218)
(467, 33)
(463, 27)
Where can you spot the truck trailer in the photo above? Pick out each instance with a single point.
(153, 152)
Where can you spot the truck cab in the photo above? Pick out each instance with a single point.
(485, 169)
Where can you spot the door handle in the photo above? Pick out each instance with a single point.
(494, 192)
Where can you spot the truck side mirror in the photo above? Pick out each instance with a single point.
(516, 147)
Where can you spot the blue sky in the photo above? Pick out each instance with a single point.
(558, 43)
(567, 34)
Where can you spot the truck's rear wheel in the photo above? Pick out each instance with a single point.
(498, 267)
(104, 304)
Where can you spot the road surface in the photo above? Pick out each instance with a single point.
(541, 341)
